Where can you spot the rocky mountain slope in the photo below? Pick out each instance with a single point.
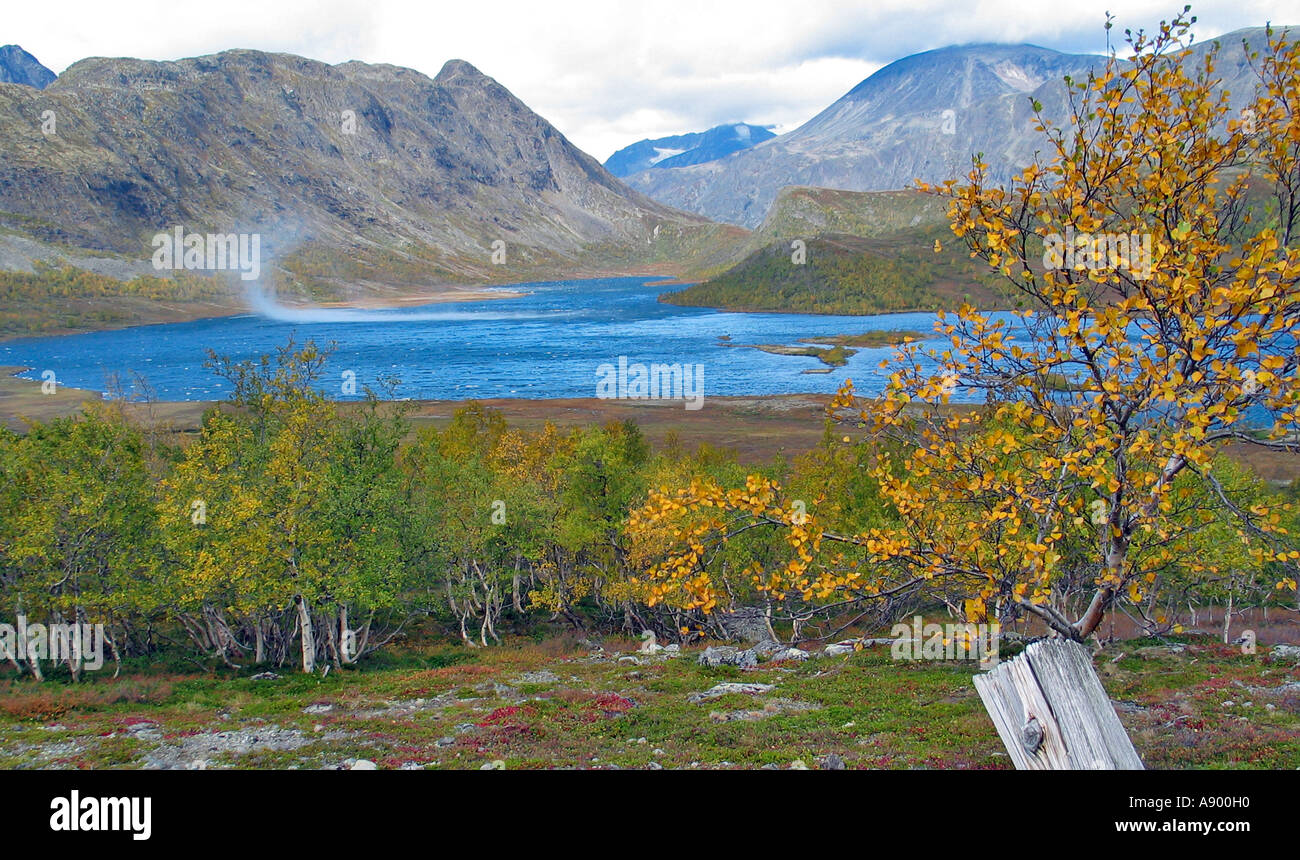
(921, 117)
(351, 174)
(19, 67)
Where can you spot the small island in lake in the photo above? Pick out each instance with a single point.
(830, 350)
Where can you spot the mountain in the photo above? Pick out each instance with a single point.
(353, 175)
(19, 67)
(847, 275)
(799, 212)
(863, 252)
(921, 117)
(684, 150)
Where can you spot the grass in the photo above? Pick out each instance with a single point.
(449, 707)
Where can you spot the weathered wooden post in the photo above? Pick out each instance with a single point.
(1051, 711)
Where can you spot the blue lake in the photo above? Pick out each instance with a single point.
(547, 344)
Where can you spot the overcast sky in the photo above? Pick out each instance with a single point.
(610, 72)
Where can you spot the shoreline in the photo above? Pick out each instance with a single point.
(747, 310)
(757, 427)
(182, 312)
(445, 295)
(168, 312)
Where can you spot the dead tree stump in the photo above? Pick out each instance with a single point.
(1051, 711)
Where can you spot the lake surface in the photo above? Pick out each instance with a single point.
(548, 344)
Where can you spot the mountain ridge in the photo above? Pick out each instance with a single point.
(19, 67)
(922, 116)
(339, 166)
(682, 150)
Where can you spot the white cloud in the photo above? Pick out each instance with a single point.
(609, 72)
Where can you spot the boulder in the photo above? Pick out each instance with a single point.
(727, 689)
(1286, 652)
(728, 655)
(832, 762)
(751, 625)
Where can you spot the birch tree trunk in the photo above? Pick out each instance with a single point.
(308, 636)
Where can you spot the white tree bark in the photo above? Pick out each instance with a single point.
(308, 636)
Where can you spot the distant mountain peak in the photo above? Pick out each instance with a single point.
(920, 117)
(459, 70)
(19, 67)
(686, 149)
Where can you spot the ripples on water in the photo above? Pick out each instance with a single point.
(547, 344)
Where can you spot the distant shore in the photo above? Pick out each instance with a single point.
(756, 427)
(449, 294)
(151, 312)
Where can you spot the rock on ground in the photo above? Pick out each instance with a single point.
(728, 655)
(727, 689)
(181, 753)
(1286, 652)
(769, 709)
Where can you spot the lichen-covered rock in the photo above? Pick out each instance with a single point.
(831, 762)
(728, 655)
(1286, 652)
(727, 689)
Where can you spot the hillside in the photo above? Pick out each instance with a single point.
(866, 252)
(851, 275)
(356, 176)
